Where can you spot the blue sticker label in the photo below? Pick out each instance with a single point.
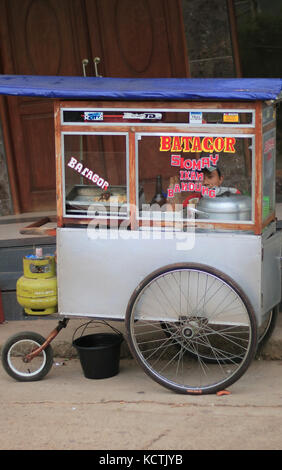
(196, 117)
(93, 116)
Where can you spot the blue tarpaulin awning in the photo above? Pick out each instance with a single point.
(141, 89)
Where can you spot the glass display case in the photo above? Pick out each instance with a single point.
(86, 158)
(179, 165)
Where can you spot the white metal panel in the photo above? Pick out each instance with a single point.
(271, 271)
(96, 277)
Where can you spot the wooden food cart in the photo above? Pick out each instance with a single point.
(166, 219)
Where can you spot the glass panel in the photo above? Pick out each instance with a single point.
(95, 175)
(195, 117)
(206, 175)
(268, 114)
(269, 151)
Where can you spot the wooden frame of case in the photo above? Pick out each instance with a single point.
(256, 227)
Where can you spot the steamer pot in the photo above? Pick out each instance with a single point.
(227, 208)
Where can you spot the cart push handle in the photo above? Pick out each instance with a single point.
(37, 227)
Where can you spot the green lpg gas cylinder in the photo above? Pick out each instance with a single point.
(37, 288)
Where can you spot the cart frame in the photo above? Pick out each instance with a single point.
(206, 302)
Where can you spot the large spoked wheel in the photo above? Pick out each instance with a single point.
(14, 355)
(191, 328)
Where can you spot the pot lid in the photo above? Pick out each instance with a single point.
(233, 203)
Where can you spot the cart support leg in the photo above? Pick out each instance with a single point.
(2, 317)
(62, 324)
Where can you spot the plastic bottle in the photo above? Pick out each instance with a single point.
(159, 197)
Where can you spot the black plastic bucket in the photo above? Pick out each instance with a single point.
(99, 354)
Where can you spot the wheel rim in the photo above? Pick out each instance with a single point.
(208, 330)
(17, 353)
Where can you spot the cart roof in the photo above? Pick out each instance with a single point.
(142, 88)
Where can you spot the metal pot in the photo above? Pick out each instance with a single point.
(227, 208)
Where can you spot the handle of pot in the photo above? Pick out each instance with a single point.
(84, 65)
(97, 61)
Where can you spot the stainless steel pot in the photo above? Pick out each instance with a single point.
(229, 208)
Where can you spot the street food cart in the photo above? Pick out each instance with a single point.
(145, 235)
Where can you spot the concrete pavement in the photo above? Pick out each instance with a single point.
(66, 411)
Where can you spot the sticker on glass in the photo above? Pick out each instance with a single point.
(93, 116)
(196, 117)
(230, 117)
(142, 116)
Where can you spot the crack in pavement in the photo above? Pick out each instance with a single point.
(137, 402)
